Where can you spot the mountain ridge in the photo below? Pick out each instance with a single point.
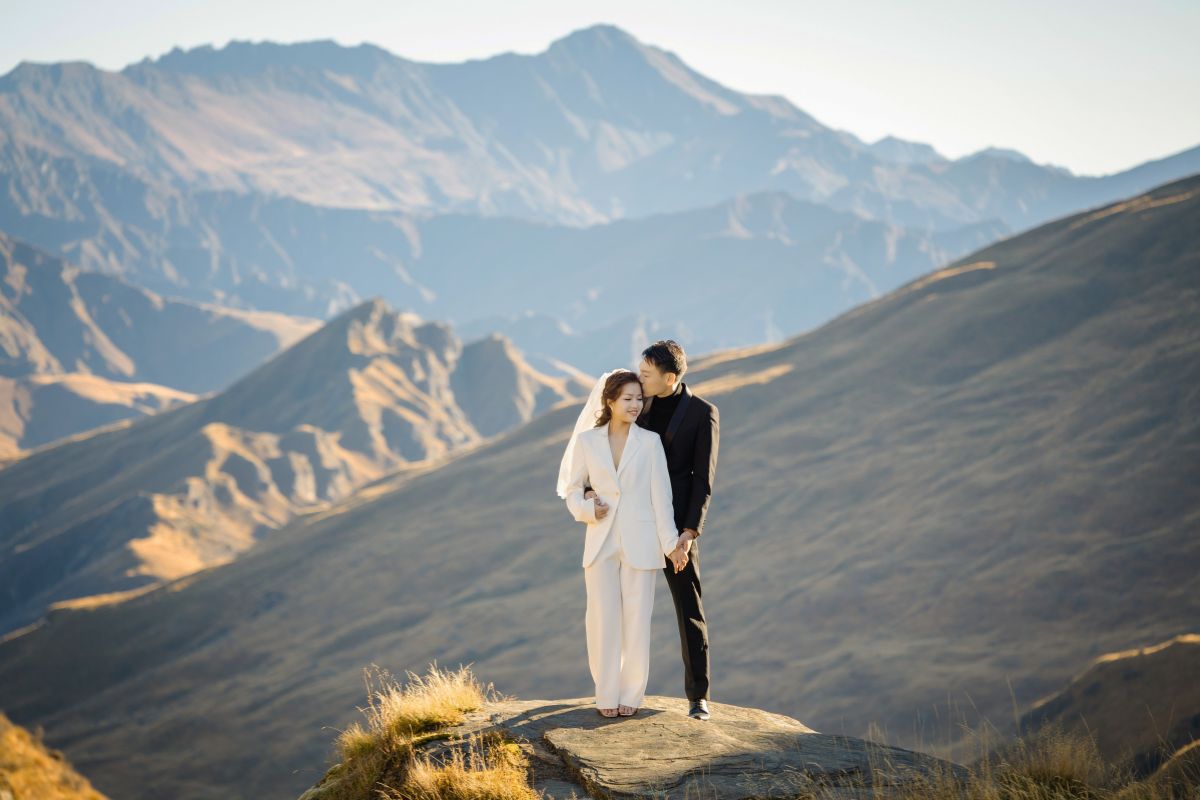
(597, 126)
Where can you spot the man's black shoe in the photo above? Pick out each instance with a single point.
(699, 709)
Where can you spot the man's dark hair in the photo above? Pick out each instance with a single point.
(668, 356)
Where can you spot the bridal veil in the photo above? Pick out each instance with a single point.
(587, 419)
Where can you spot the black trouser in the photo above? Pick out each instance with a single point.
(693, 630)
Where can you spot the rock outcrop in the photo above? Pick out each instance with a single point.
(661, 752)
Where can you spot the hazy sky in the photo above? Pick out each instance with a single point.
(1095, 86)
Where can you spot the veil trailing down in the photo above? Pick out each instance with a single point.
(587, 419)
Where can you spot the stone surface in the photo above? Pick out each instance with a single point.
(661, 752)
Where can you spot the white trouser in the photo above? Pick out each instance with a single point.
(620, 600)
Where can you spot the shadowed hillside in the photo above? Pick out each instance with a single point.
(986, 475)
(39, 409)
(1141, 706)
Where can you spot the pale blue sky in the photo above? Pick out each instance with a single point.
(1095, 86)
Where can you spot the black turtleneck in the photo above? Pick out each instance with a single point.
(661, 409)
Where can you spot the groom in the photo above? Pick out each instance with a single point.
(689, 428)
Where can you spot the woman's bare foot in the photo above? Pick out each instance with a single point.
(608, 712)
(626, 711)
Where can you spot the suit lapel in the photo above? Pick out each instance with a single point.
(606, 451)
(631, 444)
(677, 417)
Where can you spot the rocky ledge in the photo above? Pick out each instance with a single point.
(661, 752)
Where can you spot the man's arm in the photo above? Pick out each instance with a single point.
(704, 472)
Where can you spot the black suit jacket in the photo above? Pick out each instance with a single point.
(691, 458)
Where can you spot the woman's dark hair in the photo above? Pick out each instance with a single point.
(668, 356)
(612, 390)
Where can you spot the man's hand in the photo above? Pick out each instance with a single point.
(684, 542)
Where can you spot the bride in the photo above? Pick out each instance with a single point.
(630, 527)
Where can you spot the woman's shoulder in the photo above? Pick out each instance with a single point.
(592, 433)
(645, 433)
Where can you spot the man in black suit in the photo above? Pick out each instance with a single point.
(689, 427)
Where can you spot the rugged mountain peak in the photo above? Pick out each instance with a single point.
(372, 328)
(598, 38)
(246, 58)
(900, 151)
(498, 389)
(1005, 153)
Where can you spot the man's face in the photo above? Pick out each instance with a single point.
(655, 383)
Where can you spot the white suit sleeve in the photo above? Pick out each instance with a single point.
(660, 497)
(582, 510)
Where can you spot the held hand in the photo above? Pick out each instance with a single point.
(684, 543)
(589, 494)
(601, 507)
(679, 559)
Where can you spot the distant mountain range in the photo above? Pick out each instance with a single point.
(305, 178)
(80, 349)
(598, 127)
(969, 486)
(753, 269)
(370, 392)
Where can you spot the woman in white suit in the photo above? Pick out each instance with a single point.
(630, 528)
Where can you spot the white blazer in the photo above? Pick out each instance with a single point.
(638, 493)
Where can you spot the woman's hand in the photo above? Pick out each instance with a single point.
(679, 559)
(601, 506)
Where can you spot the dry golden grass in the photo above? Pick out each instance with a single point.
(379, 757)
(28, 769)
(1180, 773)
(489, 770)
(396, 713)
(1053, 764)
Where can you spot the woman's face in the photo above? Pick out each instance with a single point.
(628, 404)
